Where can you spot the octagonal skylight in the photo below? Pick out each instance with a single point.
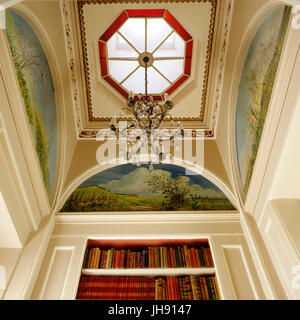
(139, 33)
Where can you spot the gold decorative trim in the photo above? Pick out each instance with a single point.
(92, 134)
(81, 3)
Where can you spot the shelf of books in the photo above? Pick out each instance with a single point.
(147, 269)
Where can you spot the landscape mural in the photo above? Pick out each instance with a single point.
(37, 91)
(256, 87)
(131, 188)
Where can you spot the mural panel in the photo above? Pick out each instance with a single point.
(37, 91)
(256, 87)
(131, 188)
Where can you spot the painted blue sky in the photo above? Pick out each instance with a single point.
(128, 178)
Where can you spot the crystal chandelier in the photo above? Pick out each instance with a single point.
(149, 116)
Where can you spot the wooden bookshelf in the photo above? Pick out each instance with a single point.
(149, 272)
(108, 271)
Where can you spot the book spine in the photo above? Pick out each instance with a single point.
(177, 294)
(210, 259)
(155, 258)
(94, 258)
(111, 257)
(139, 260)
(114, 259)
(190, 258)
(204, 257)
(122, 262)
(186, 256)
(146, 259)
(131, 259)
(86, 258)
(201, 257)
(181, 290)
(206, 288)
(172, 257)
(169, 265)
(91, 259)
(216, 288)
(211, 288)
(150, 257)
(185, 289)
(198, 258)
(169, 286)
(96, 266)
(128, 258)
(176, 257)
(165, 293)
(180, 257)
(161, 265)
(156, 289)
(108, 259)
(198, 289)
(194, 288)
(189, 288)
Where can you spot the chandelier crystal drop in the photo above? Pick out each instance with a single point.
(149, 116)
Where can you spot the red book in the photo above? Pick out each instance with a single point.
(172, 257)
(169, 285)
(176, 289)
(117, 262)
(194, 258)
(128, 258)
(152, 257)
(122, 262)
(168, 258)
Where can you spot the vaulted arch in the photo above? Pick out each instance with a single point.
(133, 180)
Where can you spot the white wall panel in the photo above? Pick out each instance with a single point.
(236, 272)
(281, 240)
(60, 272)
(237, 268)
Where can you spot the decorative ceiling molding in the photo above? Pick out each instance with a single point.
(221, 65)
(66, 16)
(87, 68)
(81, 92)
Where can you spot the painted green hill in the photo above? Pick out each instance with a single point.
(95, 198)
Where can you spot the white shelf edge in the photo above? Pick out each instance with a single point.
(149, 271)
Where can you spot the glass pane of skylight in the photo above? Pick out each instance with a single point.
(172, 47)
(171, 69)
(157, 31)
(134, 31)
(136, 82)
(156, 83)
(121, 69)
(117, 47)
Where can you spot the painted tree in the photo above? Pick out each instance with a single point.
(176, 192)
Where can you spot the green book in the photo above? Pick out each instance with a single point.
(201, 257)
